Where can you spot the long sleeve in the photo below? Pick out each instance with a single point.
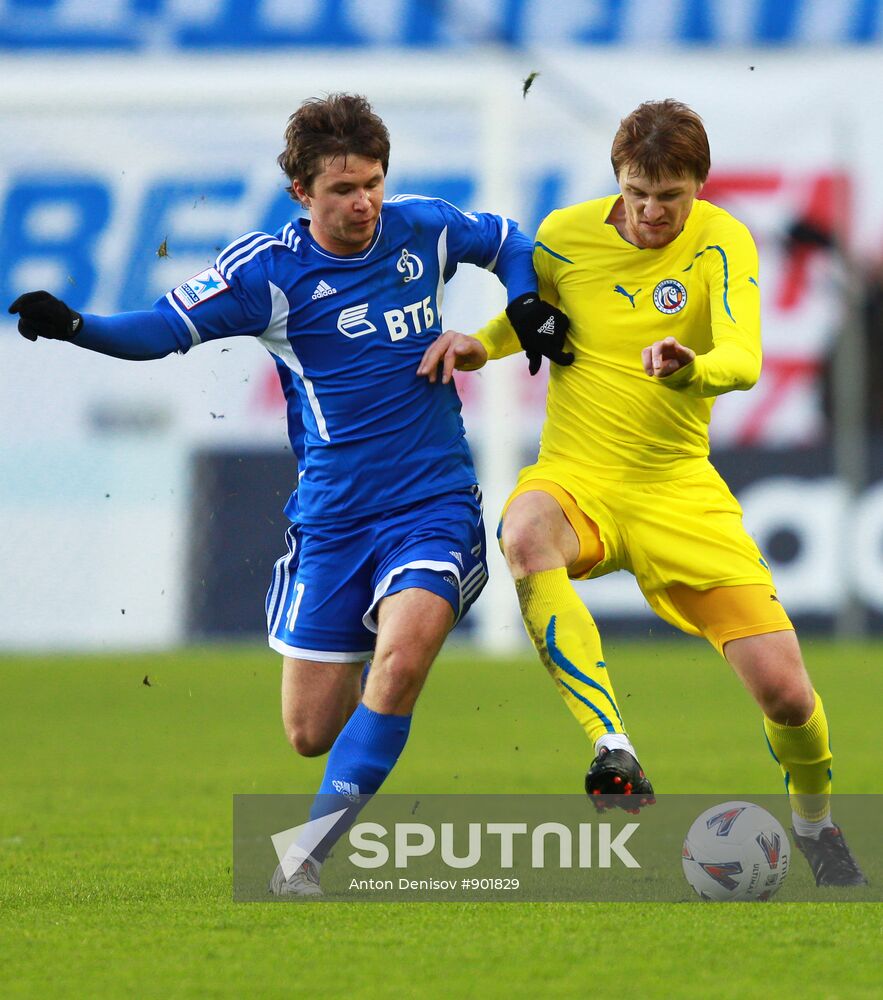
(514, 266)
(133, 336)
(497, 336)
(734, 360)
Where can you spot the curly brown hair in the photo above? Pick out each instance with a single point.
(327, 127)
(662, 139)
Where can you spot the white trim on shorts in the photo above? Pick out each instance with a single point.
(319, 655)
(281, 574)
(382, 587)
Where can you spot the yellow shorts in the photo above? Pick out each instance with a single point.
(682, 539)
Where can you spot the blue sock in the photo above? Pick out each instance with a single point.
(362, 756)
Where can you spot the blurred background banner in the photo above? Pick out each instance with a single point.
(141, 502)
(195, 25)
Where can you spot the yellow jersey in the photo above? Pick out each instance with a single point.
(603, 411)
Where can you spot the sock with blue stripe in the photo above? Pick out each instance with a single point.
(364, 753)
(804, 754)
(567, 640)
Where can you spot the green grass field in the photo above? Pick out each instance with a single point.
(115, 832)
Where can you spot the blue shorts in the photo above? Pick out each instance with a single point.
(322, 602)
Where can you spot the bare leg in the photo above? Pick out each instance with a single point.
(317, 700)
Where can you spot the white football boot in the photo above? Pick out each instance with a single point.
(304, 881)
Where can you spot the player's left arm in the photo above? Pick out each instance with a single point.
(730, 269)
(499, 245)
(498, 336)
(489, 241)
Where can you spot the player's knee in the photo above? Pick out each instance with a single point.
(520, 543)
(789, 703)
(398, 676)
(307, 741)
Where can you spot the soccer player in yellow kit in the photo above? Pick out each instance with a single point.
(662, 294)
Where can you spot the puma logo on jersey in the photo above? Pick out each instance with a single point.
(622, 291)
(323, 290)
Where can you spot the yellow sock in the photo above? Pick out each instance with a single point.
(566, 637)
(804, 754)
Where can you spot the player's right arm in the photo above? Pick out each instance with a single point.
(216, 304)
(133, 336)
(452, 350)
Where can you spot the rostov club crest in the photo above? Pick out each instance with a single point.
(669, 296)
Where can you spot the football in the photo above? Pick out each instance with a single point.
(736, 851)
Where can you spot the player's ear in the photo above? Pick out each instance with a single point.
(300, 192)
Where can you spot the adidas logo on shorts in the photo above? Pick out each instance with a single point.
(323, 290)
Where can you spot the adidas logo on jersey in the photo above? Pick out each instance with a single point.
(458, 556)
(548, 327)
(323, 290)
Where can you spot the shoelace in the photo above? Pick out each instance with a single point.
(839, 860)
(306, 873)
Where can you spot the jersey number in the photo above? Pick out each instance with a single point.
(294, 607)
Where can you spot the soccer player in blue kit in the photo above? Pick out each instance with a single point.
(387, 546)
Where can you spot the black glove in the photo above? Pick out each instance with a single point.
(541, 329)
(43, 315)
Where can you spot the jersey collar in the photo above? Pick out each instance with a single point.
(307, 238)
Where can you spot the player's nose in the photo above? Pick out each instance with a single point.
(653, 210)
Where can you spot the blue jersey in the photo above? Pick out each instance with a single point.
(347, 335)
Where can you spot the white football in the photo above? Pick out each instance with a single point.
(736, 851)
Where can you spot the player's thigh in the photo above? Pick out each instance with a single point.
(726, 614)
(317, 700)
(771, 667)
(687, 536)
(544, 527)
(436, 546)
(411, 628)
(320, 593)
